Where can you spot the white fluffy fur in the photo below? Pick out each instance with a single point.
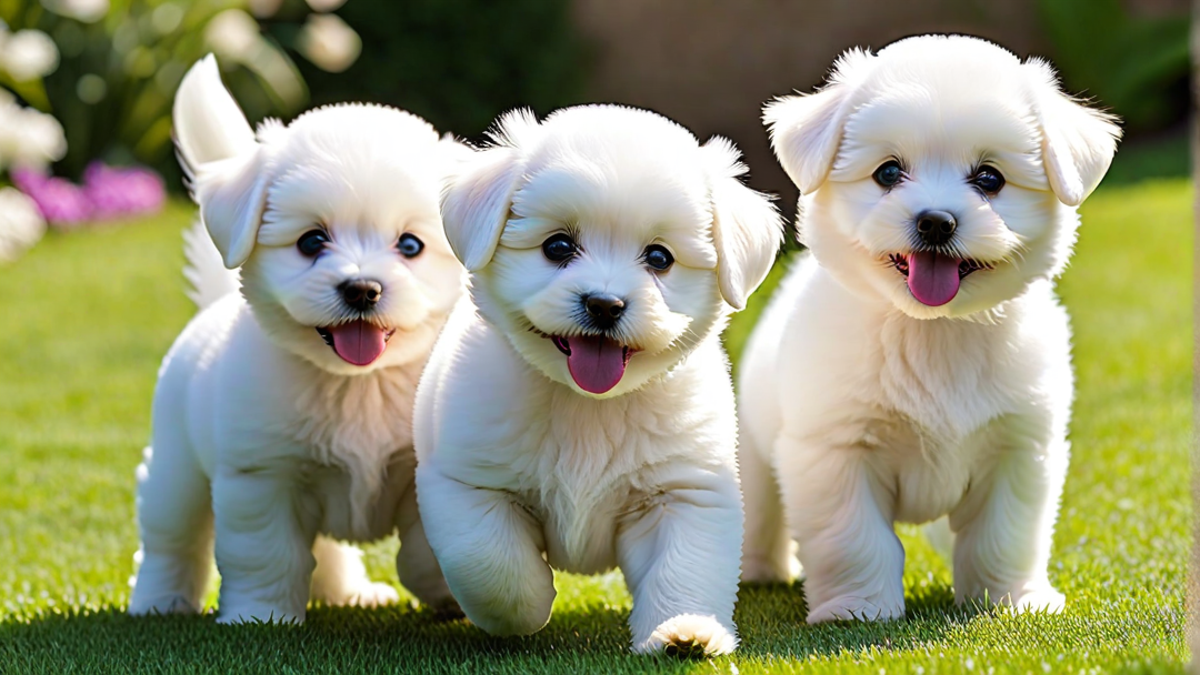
(860, 406)
(262, 437)
(522, 471)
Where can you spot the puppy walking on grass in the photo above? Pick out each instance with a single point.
(915, 363)
(577, 412)
(283, 412)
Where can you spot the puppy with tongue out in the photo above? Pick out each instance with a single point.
(282, 413)
(915, 363)
(577, 412)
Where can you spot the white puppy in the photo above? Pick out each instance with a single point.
(916, 363)
(287, 412)
(577, 412)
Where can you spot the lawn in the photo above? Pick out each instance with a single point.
(87, 316)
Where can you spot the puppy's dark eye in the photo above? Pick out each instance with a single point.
(658, 257)
(988, 179)
(888, 174)
(560, 248)
(409, 245)
(311, 243)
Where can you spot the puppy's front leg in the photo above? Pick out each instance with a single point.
(263, 551)
(840, 510)
(1004, 529)
(680, 556)
(490, 551)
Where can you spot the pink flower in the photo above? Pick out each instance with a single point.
(107, 193)
(122, 192)
(61, 202)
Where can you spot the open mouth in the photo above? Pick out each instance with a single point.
(356, 342)
(934, 278)
(596, 363)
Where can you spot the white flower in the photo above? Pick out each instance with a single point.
(21, 225)
(86, 11)
(40, 139)
(233, 34)
(329, 42)
(28, 55)
(28, 137)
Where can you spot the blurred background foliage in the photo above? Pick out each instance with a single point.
(1137, 64)
(457, 63)
(121, 61)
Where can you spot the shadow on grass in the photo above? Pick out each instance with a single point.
(771, 622)
(403, 639)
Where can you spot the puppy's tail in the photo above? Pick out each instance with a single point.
(208, 279)
(208, 125)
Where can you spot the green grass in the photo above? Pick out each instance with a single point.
(88, 315)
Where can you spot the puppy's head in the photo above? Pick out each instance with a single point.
(333, 219)
(607, 242)
(942, 173)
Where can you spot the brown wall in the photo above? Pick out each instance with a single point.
(710, 64)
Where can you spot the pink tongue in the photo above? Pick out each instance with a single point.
(933, 278)
(596, 363)
(358, 342)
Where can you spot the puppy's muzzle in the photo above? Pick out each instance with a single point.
(935, 228)
(603, 310)
(361, 294)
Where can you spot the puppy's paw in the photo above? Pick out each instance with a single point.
(1043, 599)
(854, 608)
(1037, 597)
(688, 636)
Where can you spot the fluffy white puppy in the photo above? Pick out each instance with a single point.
(916, 363)
(286, 413)
(577, 412)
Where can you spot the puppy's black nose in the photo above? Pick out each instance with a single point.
(935, 227)
(361, 294)
(604, 309)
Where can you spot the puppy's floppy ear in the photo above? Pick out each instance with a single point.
(747, 229)
(476, 204)
(1078, 142)
(806, 130)
(222, 159)
(232, 194)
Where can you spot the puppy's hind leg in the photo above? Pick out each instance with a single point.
(768, 554)
(340, 578)
(680, 561)
(176, 522)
